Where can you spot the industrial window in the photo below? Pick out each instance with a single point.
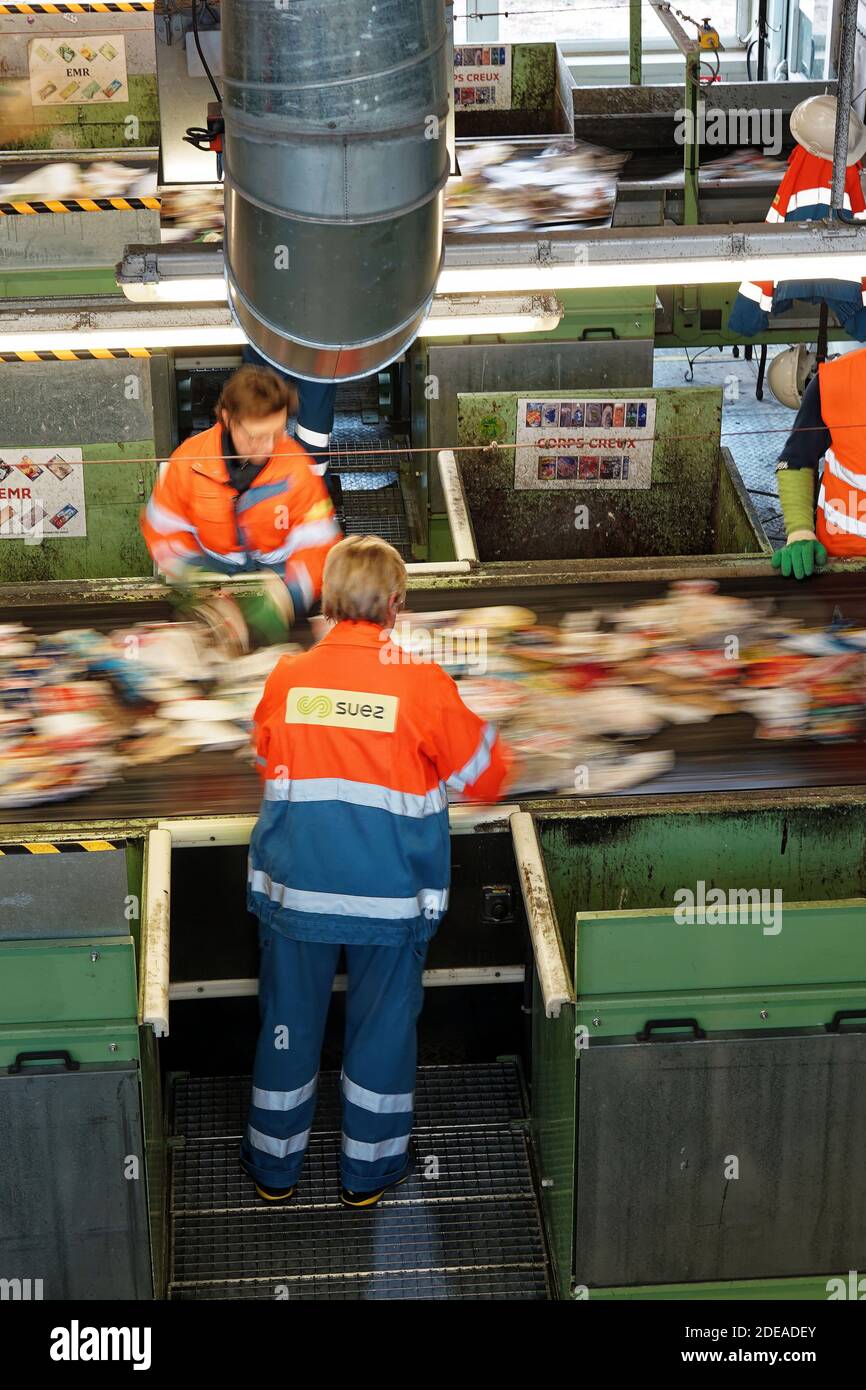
(569, 21)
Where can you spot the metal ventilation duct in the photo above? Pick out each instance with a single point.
(335, 167)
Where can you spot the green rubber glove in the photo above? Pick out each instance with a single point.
(188, 587)
(800, 557)
(268, 613)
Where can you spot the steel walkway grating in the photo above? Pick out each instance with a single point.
(358, 397)
(467, 1284)
(377, 512)
(452, 1165)
(485, 1094)
(358, 447)
(466, 1224)
(373, 501)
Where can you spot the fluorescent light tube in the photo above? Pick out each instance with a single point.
(191, 289)
(467, 315)
(613, 275)
(546, 279)
(88, 340)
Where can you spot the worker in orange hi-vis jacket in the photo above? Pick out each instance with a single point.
(805, 195)
(358, 745)
(242, 496)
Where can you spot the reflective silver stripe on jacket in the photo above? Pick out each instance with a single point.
(839, 470)
(357, 794)
(428, 901)
(477, 764)
(840, 520)
(165, 521)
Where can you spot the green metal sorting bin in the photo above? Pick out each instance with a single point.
(696, 1113)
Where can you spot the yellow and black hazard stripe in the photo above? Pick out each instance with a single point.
(96, 7)
(81, 355)
(30, 208)
(61, 846)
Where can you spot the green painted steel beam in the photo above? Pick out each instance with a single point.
(635, 44)
(440, 543)
(554, 1077)
(533, 77)
(60, 284)
(815, 1288)
(134, 884)
(691, 148)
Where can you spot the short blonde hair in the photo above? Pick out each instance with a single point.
(361, 574)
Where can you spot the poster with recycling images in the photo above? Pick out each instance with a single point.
(584, 442)
(482, 77)
(68, 70)
(41, 494)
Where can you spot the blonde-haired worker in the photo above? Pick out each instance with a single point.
(357, 748)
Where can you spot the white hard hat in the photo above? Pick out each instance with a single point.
(788, 374)
(813, 125)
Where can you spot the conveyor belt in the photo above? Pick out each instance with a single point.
(710, 758)
(720, 756)
(466, 1225)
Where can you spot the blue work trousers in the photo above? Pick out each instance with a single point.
(383, 1001)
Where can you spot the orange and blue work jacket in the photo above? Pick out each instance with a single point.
(840, 516)
(804, 196)
(358, 748)
(284, 521)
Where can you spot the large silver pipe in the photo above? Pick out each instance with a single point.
(335, 167)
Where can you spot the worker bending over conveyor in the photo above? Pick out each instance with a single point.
(356, 744)
(243, 497)
(831, 423)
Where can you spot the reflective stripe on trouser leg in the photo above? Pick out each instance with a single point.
(383, 999)
(295, 981)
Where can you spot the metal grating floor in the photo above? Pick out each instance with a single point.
(359, 397)
(466, 1225)
(372, 497)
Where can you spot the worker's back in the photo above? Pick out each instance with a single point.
(356, 743)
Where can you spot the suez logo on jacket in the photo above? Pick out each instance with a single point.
(342, 709)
